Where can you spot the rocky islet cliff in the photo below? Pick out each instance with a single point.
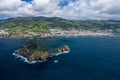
(37, 51)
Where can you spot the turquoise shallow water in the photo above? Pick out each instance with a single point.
(90, 58)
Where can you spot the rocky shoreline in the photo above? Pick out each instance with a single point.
(33, 51)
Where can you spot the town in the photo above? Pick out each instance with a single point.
(5, 33)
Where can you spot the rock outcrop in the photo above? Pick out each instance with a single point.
(37, 51)
(63, 48)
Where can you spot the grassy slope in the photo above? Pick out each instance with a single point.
(37, 24)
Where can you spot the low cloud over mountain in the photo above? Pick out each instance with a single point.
(69, 9)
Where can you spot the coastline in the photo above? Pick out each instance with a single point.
(68, 34)
(24, 59)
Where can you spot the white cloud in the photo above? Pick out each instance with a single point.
(9, 4)
(80, 9)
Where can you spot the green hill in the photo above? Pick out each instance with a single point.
(37, 24)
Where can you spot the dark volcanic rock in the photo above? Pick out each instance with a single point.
(63, 48)
(37, 51)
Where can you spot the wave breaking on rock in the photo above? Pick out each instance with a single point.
(33, 52)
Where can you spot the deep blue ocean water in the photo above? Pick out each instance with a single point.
(90, 58)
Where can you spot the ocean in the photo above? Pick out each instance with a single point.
(90, 58)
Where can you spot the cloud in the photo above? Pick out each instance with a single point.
(107, 7)
(9, 5)
(69, 9)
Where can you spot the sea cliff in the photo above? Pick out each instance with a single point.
(34, 51)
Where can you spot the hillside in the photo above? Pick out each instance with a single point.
(21, 26)
(45, 23)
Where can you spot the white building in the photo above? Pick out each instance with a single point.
(3, 32)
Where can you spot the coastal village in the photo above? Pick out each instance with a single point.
(4, 33)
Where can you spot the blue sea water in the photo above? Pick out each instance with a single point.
(90, 58)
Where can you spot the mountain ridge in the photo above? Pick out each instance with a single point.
(57, 22)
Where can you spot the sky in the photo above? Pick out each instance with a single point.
(68, 9)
